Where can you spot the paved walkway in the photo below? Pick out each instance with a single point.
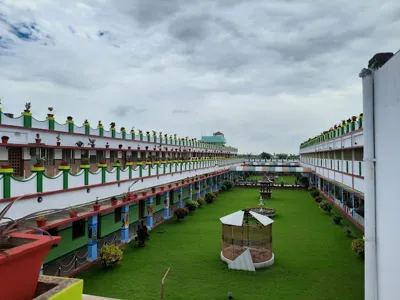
(90, 297)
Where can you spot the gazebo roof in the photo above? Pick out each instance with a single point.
(265, 180)
(236, 219)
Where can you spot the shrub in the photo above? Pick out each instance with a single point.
(192, 205)
(224, 188)
(110, 255)
(180, 213)
(201, 201)
(325, 206)
(337, 220)
(210, 198)
(229, 184)
(358, 246)
(318, 199)
(314, 193)
(348, 232)
(282, 184)
(312, 188)
(304, 181)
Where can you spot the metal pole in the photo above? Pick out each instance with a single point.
(162, 284)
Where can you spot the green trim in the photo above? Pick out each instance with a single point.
(39, 182)
(51, 123)
(123, 134)
(101, 131)
(71, 126)
(148, 137)
(86, 176)
(65, 179)
(149, 168)
(87, 129)
(141, 136)
(103, 175)
(140, 171)
(113, 132)
(118, 173)
(1, 116)
(359, 168)
(27, 120)
(7, 185)
(133, 135)
(130, 172)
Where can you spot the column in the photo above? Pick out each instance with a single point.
(190, 192)
(166, 205)
(125, 224)
(149, 217)
(180, 203)
(198, 189)
(352, 202)
(92, 237)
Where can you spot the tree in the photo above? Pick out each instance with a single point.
(265, 155)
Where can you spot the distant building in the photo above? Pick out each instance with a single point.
(217, 138)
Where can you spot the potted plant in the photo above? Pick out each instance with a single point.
(84, 161)
(138, 147)
(126, 197)
(162, 188)
(92, 142)
(4, 139)
(58, 138)
(170, 185)
(129, 147)
(39, 162)
(73, 212)
(114, 201)
(22, 257)
(41, 221)
(79, 143)
(27, 107)
(153, 190)
(50, 114)
(96, 206)
(147, 148)
(144, 193)
(107, 145)
(69, 118)
(38, 139)
(120, 146)
(64, 163)
(354, 118)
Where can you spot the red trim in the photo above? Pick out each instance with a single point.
(96, 185)
(105, 209)
(98, 136)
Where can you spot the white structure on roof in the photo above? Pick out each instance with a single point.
(236, 219)
(243, 262)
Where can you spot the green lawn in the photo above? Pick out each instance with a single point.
(254, 177)
(313, 258)
(286, 179)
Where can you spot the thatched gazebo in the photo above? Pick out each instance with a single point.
(247, 240)
(265, 188)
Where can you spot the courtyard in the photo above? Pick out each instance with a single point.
(313, 257)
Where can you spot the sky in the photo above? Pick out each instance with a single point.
(268, 74)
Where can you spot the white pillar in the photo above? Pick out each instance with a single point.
(371, 284)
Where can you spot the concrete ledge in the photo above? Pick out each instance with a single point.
(260, 265)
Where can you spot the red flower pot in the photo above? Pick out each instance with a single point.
(73, 214)
(22, 263)
(129, 147)
(169, 185)
(162, 188)
(153, 190)
(115, 202)
(4, 140)
(177, 184)
(41, 222)
(58, 144)
(144, 193)
(126, 199)
(96, 207)
(135, 196)
(38, 141)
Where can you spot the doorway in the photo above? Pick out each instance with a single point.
(141, 209)
(15, 160)
(171, 197)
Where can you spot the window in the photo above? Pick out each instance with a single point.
(347, 167)
(68, 155)
(78, 229)
(338, 165)
(46, 153)
(118, 214)
(101, 155)
(158, 199)
(84, 154)
(359, 168)
(113, 156)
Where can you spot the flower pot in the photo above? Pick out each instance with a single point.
(58, 143)
(144, 193)
(38, 141)
(21, 264)
(153, 190)
(4, 140)
(135, 196)
(177, 184)
(129, 147)
(120, 147)
(96, 207)
(41, 222)
(92, 146)
(138, 148)
(73, 214)
(115, 202)
(107, 146)
(162, 188)
(169, 185)
(50, 115)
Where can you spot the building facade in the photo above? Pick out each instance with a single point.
(94, 186)
(336, 160)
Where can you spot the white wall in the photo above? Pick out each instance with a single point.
(387, 147)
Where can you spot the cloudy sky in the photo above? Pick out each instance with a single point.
(268, 74)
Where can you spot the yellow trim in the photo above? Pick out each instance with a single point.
(64, 167)
(129, 163)
(86, 124)
(37, 169)
(7, 171)
(115, 165)
(50, 118)
(148, 163)
(100, 126)
(139, 163)
(102, 165)
(112, 128)
(70, 121)
(84, 166)
(28, 114)
(71, 292)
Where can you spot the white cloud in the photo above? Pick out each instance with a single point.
(267, 74)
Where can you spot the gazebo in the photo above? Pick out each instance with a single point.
(247, 240)
(265, 188)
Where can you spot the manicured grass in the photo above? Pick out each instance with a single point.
(286, 179)
(254, 177)
(313, 258)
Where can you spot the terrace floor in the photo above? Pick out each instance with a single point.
(313, 257)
